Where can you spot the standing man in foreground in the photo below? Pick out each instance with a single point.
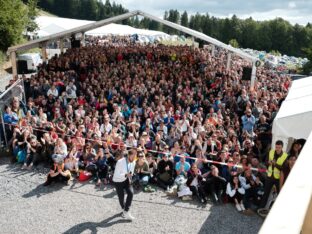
(122, 179)
(275, 164)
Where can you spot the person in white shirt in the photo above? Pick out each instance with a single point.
(71, 90)
(53, 91)
(131, 141)
(80, 112)
(236, 192)
(106, 127)
(184, 123)
(122, 177)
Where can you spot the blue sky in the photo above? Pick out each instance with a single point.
(296, 11)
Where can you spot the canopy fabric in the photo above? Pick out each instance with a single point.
(51, 25)
(66, 23)
(52, 28)
(294, 119)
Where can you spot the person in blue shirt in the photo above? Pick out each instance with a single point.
(182, 167)
(126, 111)
(248, 121)
(169, 121)
(10, 118)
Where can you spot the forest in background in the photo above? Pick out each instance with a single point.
(278, 34)
(17, 16)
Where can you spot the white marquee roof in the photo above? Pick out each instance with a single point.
(94, 25)
(294, 118)
(51, 25)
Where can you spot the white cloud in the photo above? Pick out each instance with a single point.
(292, 16)
(292, 5)
(296, 11)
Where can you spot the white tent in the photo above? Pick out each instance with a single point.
(294, 119)
(51, 25)
(65, 23)
(51, 29)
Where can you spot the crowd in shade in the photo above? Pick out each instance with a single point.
(177, 108)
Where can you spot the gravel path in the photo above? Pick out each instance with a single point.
(28, 207)
(4, 81)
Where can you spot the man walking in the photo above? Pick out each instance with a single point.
(122, 179)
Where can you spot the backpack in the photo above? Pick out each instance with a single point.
(21, 156)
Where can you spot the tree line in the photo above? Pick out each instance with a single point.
(82, 9)
(277, 34)
(17, 16)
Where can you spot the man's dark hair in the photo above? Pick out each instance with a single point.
(279, 142)
(118, 154)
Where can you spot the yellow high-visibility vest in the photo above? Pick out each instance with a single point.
(276, 172)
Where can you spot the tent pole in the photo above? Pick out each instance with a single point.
(228, 62)
(44, 52)
(253, 76)
(83, 39)
(213, 47)
(13, 62)
(62, 45)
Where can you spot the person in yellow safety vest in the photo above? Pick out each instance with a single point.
(275, 164)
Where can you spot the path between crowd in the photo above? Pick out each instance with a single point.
(28, 207)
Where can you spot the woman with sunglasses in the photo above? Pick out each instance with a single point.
(141, 170)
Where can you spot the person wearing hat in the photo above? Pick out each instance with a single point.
(131, 141)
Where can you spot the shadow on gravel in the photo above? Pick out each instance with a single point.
(92, 226)
(112, 194)
(232, 222)
(16, 170)
(41, 190)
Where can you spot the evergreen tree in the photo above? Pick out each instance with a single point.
(184, 19)
(13, 22)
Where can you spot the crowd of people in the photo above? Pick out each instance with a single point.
(176, 108)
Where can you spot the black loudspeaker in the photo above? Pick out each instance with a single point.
(246, 73)
(22, 67)
(75, 43)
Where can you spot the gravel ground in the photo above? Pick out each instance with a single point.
(4, 81)
(28, 207)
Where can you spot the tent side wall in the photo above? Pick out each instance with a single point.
(291, 127)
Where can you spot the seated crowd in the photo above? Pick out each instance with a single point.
(176, 108)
